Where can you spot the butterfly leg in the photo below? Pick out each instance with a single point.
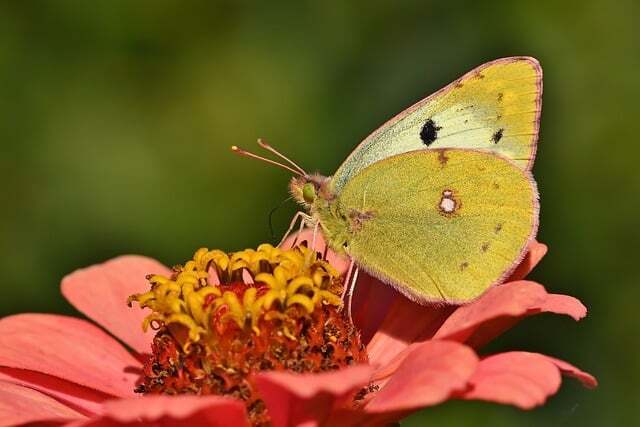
(350, 284)
(316, 224)
(290, 229)
(350, 289)
(304, 219)
(347, 279)
(303, 223)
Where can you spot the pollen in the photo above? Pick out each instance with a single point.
(222, 317)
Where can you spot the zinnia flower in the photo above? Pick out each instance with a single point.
(258, 337)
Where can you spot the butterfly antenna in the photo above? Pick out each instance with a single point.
(245, 153)
(262, 143)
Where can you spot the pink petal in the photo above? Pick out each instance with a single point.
(500, 308)
(536, 252)
(68, 348)
(22, 405)
(100, 292)
(309, 399)
(569, 370)
(183, 410)
(85, 400)
(405, 322)
(521, 379)
(562, 304)
(511, 299)
(429, 375)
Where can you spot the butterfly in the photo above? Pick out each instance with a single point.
(439, 202)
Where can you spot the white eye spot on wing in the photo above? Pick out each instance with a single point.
(447, 204)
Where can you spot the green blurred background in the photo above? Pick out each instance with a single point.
(116, 118)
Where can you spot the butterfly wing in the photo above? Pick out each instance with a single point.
(495, 107)
(456, 221)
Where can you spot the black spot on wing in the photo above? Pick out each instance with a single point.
(497, 136)
(429, 132)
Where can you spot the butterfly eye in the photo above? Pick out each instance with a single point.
(309, 192)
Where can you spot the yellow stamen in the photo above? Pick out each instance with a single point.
(284, 279)
(302, 300)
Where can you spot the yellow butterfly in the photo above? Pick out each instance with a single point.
(439, 202)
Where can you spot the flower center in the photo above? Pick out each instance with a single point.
(222, 317)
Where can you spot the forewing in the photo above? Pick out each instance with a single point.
(440, 225)
(495, 107)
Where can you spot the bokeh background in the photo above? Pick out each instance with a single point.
(116, 118)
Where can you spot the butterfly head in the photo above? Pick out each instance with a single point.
(307, 189)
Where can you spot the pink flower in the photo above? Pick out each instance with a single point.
(62, 370)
